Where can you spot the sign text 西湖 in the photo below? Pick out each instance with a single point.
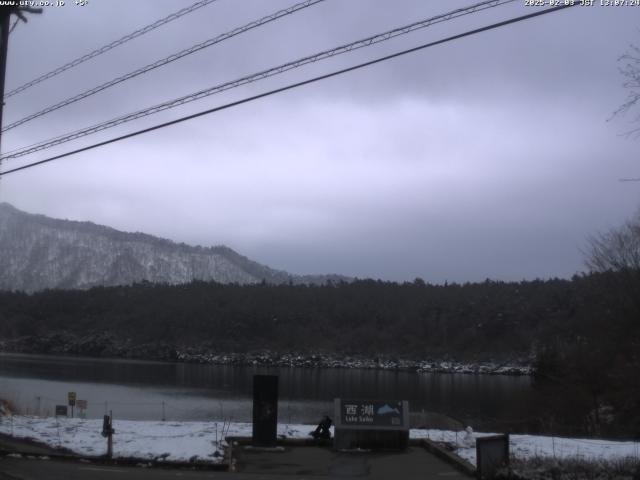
(372, 413)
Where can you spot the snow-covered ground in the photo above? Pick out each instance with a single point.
(203, 441)
(163, 441)
(529, 446)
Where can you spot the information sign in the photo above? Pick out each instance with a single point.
(371, 424)
(372, 413)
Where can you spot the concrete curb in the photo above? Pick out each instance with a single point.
(124, 461)
(39, 448)
(459, 463)
(284, 442)
(29, 448)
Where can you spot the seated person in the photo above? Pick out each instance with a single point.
(322, 430)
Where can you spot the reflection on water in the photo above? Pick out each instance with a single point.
(149, 390)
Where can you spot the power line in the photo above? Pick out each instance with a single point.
(366, 42)
(164, 61)
(110, 46)
(294, 85)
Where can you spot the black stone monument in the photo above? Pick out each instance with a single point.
(265, 410)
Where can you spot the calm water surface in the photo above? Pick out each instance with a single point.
(148, 390)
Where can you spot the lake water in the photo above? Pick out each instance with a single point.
(150, 390)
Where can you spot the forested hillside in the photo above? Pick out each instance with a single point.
(366, 316)
(583, 334)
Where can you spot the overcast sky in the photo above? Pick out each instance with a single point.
(486, 157)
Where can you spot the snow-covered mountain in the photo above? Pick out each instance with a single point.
(38, 252)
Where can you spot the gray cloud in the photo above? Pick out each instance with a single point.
(486, 157)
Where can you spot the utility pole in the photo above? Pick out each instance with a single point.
(5, 13)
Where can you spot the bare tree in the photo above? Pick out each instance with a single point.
(630, 70)
(617, 250)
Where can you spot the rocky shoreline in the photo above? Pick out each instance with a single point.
(328, 360)
(108, 346)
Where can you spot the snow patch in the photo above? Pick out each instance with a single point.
(204, 441)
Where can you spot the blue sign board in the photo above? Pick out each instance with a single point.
(378, 413)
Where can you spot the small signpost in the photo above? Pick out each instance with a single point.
(82, 408)
(72, 401)
(61, 410)
(371, 424)
(108, 431)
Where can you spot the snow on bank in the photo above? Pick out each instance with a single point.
(170, 441)
(203, 441)
(530, 446)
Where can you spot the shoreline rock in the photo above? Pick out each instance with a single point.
(105, 345)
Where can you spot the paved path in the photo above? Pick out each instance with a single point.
(298, 463)
(290, 463)
(35, 469)
(310, 462)
(381, 467)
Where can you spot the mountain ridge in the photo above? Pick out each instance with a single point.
(39, 252)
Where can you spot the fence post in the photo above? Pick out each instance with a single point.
(110, 440)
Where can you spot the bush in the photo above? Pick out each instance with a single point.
(546, 468)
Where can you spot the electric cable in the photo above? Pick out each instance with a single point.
(110, 46)
(165, 61)
(366, 42)
(294, 85)
(291, 86)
